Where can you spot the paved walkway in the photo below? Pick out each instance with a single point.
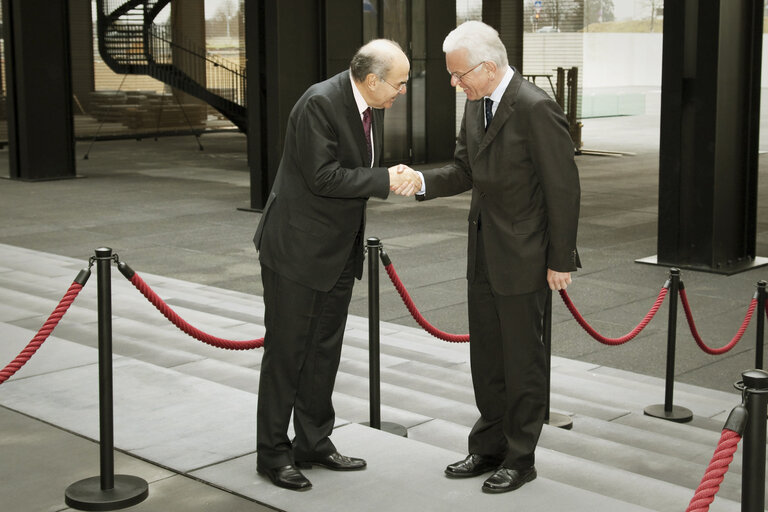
(171, 212)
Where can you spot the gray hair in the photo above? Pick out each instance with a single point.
(481, 42)
(375, 57)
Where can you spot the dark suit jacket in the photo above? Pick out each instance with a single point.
(525, 187)
(315, 214)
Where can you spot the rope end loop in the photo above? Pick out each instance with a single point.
(82, 276)
(125, 270)
(737, 420)
(384, 257)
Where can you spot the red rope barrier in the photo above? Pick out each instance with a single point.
(703, 346)
(614, 341)
(713, 476)
(179, 322)
(434, 331)
(43, 334)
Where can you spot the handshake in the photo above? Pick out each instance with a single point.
(403, 180)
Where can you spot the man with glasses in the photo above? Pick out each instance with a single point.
(310, 243)
(515, 153)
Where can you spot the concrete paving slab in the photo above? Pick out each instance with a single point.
(392, 483)
(40, 461)
(53, 355)
(175, 420)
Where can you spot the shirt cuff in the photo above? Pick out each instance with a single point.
(423, 185)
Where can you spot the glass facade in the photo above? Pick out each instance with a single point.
(107, 104)
(402, 21)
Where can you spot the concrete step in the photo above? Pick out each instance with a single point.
(701, 401)
(625, 394)
(168, 383)
(667, 467)
(403, 475)
(622, 484)
(595, 476)
(657, 439)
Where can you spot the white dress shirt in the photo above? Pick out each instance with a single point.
(361, 107)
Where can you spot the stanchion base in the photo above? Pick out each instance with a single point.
(392, 428)
(87, 494)
(560, 421)
(678, 414)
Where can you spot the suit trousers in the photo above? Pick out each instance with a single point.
(508, 362)
(302, 349)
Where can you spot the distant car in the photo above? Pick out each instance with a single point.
(548, 28)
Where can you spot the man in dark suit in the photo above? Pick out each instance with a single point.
(515, 153)
(310, 243)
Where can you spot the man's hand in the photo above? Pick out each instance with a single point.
(558, 280)
(403, 180)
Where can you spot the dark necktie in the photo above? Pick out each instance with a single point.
(488, 112)
(367, 130)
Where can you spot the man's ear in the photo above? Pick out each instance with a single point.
(490, 66)
(370, 80)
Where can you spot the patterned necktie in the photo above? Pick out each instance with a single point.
(367, 130)
(488, 112)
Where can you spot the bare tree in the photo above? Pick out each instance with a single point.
(563, 15)
(226, 12)
(598, 11)
(654, 5)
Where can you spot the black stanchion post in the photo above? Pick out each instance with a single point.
(760, 329)
(107, 491)
(374, 250)
(374, 245)
(551, 418)
(754, 384)
(668, 410)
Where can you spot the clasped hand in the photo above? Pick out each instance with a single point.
(403, 180)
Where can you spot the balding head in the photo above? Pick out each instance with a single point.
(377, 57)
(380, 71)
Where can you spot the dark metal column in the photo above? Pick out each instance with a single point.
(343, 34)
(81, 44)
(40, 133)
(709, 127)
(283, 49)
(440, 120)
(507, 18)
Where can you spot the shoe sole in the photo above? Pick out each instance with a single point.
(276, 484)
(469, 475)
(308, 465)
(492, 490)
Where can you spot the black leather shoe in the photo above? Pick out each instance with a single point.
(505, 479)
(473, 465)
(287, 477)
(334, 461)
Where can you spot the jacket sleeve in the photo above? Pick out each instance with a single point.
(318, 141)
(552, 153)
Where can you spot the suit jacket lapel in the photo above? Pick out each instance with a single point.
(503, 111)
(353, 117)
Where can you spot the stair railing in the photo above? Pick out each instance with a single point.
(130, 42)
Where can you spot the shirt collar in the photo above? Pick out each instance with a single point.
(499, 91)
(359, 100)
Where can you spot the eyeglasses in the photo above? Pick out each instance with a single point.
(458, 77)
(398, 89)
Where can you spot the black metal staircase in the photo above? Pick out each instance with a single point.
(131, 43)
